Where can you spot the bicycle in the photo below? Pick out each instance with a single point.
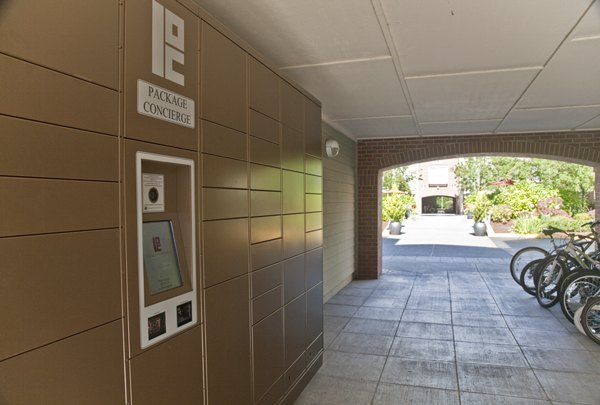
(527, 254)
(552, 272)
(529, 276)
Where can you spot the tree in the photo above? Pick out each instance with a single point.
(473, 174)
(573, 182)
(398, 177)
(517, 169)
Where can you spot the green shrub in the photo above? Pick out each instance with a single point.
(566, 224)
(572, 202)
(501, 213)
(583, 217)
(526, 224)
(482, 206)
(393, 207)
(408, 200)
(522, 197)
(535, 224)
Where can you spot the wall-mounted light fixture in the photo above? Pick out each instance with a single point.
(332, 147)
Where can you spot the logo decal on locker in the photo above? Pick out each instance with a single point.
(168, 45)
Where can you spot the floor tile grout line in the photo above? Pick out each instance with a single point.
(392, 345)
(514, 337)
(458, 390)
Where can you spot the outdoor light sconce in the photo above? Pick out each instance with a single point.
(332, 148)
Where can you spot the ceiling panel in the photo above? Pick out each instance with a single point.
(465, 97)
(571, 78)
(355, 90)
(460, 66)
(547, 119)
(592, 124)
(590, 23)
(464, 127)
(379, 127)
(449, 36)
(299, 32)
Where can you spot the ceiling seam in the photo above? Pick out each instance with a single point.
(513, 107)
(380, 15)
(589, 38)
(590, 120)
(372, 118)
(338, 62)
(463, 121)
(474, 72)
(561, 107)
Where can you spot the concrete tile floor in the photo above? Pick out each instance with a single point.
(438, 333)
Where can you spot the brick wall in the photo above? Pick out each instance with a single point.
(377, 154)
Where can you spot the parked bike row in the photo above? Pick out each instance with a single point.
(568, 274)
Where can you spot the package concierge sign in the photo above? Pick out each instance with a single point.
(168, 48)
(156, 102)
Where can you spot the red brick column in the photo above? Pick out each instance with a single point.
(375, 155)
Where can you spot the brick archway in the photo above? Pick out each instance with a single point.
(374, 155)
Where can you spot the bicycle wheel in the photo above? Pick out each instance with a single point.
(527, 278)
(547, 281)
(583, 285)
(590, 319)
(573, 272)
(524, 256)
(577, 320)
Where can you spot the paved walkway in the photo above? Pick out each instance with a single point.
(446, 324)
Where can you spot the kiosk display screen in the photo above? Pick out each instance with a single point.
(160, 257)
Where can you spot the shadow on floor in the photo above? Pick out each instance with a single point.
(389, 248)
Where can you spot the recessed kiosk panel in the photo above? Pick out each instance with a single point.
(166, 241)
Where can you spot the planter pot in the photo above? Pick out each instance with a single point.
(480, 229)
(395, 228)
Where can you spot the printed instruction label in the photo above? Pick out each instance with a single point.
(153, 192)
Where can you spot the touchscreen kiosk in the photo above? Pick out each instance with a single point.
(161, 260)
(166, 246)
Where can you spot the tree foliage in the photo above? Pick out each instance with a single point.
(397, 179)
(473, 174)
(569, 181)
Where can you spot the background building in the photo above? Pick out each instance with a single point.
(435, 187)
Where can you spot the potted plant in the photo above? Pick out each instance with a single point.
(469, 211)
(482, 205)
(394, 210)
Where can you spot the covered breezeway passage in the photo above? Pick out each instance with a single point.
(446, 324)
(376, 155)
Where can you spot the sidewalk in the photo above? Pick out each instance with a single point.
(442, 238)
